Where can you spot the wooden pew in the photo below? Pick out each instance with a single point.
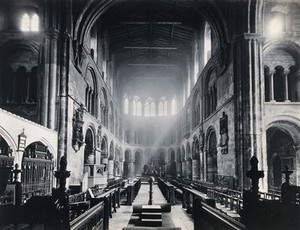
(132, 190)
(91, 219)
(206, 217)
(167, 190)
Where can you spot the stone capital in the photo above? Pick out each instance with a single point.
(51, 33)
(253, 37)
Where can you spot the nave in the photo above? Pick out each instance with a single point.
(178, 216)
(96, 95)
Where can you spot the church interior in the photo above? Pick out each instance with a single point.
(149, 114)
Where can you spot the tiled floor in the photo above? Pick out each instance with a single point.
(178, 215)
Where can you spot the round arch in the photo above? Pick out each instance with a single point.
(41, 173)
(104, 150)
(19, 44)
(283, 148)
(288, 46)
(9, 139)
(211, 155)
(89, 148)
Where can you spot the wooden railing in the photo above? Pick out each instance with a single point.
(232, 200)
(91, 219)
(132, 191)
(167, 190)
(269, 196)
(206, 217)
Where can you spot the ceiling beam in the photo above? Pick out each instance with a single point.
(150, 64)
(153, 78)
(153, 47)
(154, 23)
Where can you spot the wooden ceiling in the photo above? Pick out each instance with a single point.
(154, 34)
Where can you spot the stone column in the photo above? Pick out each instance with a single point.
(272, 85)
(249, 107)
(63, 109)
(286, 85)
(51, 37)
(97, 107)
(195, 169)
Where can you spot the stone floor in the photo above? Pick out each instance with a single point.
(178, 215)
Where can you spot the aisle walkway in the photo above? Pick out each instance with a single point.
(179, 216)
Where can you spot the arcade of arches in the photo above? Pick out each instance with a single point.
(181, 89)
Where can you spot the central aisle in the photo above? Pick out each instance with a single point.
(179, 216)
(143, 195)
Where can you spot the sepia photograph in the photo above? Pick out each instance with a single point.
(149, 114)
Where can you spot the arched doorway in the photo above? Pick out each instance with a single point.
(281, 152)
(37, 170)
(104, 151)
(196, 161)
(89, 154)
(211, 158)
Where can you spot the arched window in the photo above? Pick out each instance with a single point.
(35, 23)
(207, 43)
(30, 23)
(173, 106)
(139, 108)
(126, 105)
(163, 107)
(211, 94)
(147, 109)
(196, 62)
(90, 99)
(25, 23)
(152, 109)
(160, 109)
(134, 107)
